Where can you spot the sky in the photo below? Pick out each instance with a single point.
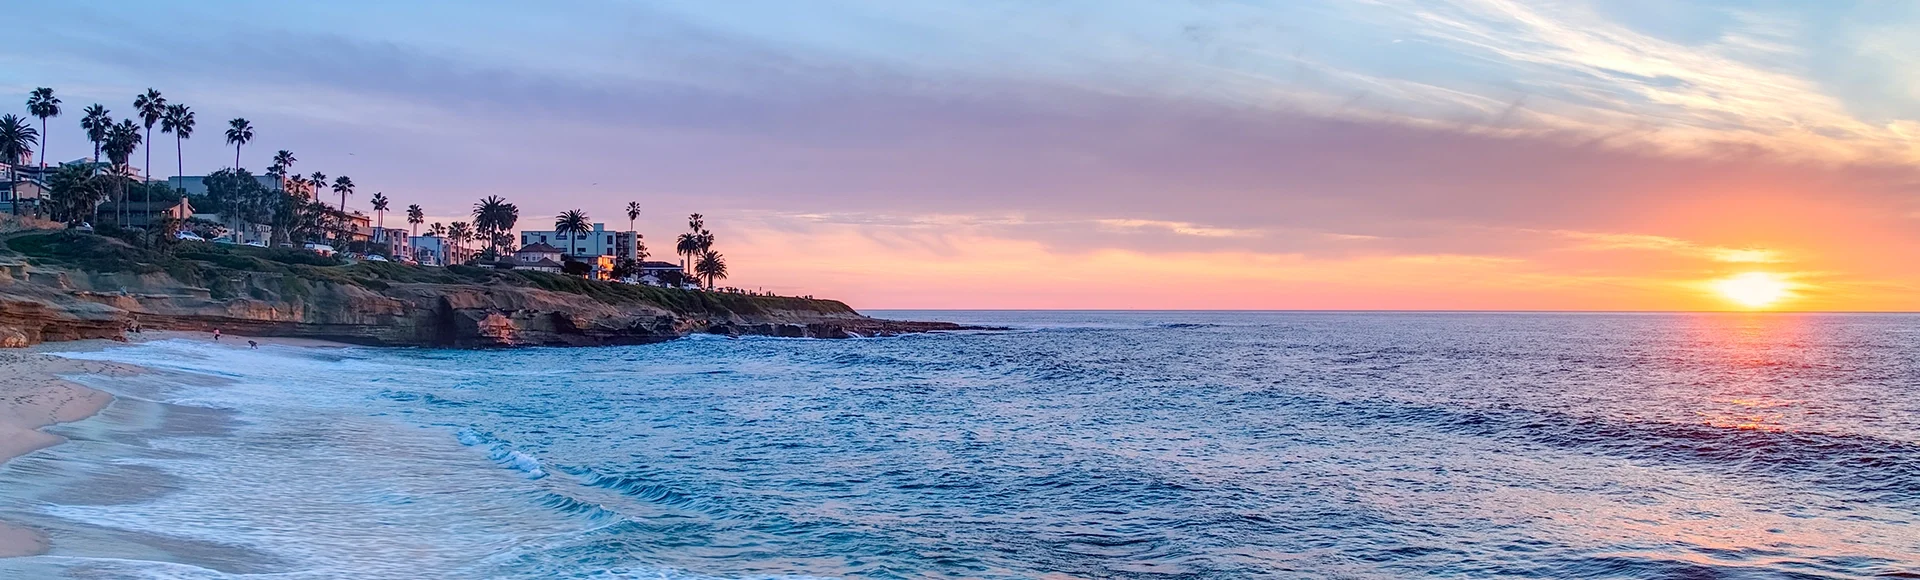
(1090, 154)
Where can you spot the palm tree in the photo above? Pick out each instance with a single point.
(96, 122)
(712, 266)
(16, 141)
(633, 213)
(571, 224)
(74, 191)
(492, 216)
(317, 181)
(284, 160)
(688, 244)
(152, 107)
(343, 185)
(239, 132)
(179, 122)
(415, 217)
(42, 104)
(297, 186)
(437, 229)
(379, 202)
(121, 140)
(459, 233)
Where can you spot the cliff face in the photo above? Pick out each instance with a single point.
(41, 302)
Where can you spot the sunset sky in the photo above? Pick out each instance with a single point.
(1200, 154)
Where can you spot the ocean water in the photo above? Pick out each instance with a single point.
(1079, 445)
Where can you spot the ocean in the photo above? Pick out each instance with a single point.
(1077, 445)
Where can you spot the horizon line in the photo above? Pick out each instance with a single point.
(1389, 311)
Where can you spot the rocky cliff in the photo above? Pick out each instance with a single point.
(62, 286)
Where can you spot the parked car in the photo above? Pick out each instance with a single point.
(376, 258)
(257, 244)
(322, 249)
(189, 236)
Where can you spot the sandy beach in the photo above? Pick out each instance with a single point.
(34, 396)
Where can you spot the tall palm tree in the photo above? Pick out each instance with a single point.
(317, 181)
(492, 217)
(16, 141)
(42, 104)
(297, 187)
(17, 137)
(459, 234)
(284, 160)
(415, 217)
(571, 224)
(712, 266)
(179, 122)
(437, 229)
(343, 185)
(239, 132)
(151, 107)
(97, 123)
(379, 202)
(687, 246)
(121, 140)
(633, 213)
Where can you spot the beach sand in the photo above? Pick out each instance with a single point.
(231, 340)
(32, 396)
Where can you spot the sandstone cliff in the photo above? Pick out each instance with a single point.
(64, 286)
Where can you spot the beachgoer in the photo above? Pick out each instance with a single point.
(253, 345)
(216, 335)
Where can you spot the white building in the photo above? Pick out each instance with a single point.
(430, 250)
(599, 242)
(197, 184)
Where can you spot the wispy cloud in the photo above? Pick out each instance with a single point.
(1601, 241)
(1182, 228)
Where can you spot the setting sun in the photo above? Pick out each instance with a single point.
(1754, 289)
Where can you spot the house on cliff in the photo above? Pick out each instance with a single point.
(145, 214)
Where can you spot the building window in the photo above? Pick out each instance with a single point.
(609, 240)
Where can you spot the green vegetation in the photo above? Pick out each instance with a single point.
(217, 267)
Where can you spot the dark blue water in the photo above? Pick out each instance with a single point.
(1136, 445)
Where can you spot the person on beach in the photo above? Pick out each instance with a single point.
(216, 335)
(253, 345)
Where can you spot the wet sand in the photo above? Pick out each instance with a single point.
(32, 396)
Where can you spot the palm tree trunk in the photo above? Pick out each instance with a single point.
(180, 161)
(236, 156)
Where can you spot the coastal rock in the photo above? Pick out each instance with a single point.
(65, 304)
(13, 338)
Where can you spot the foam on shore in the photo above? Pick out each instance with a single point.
(34, 396)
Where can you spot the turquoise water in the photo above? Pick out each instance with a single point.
(1186, 445)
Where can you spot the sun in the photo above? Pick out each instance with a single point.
(1754, 289)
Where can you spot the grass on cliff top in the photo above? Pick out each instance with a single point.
(215, 266)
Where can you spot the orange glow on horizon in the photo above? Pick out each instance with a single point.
(1754, 290)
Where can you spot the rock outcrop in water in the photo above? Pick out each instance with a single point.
(66, 287)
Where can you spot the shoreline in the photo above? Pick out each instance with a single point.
(35, 396)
